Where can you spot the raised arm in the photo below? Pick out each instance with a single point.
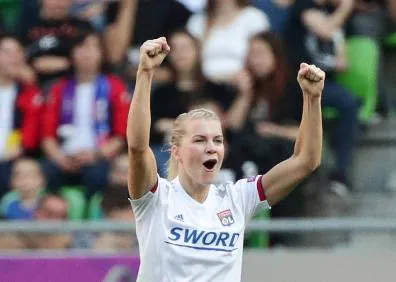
(142, 166)
(117, 36)
(281, 179)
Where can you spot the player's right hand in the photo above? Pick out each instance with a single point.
(152, 53)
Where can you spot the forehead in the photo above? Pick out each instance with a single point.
(26, 166)
(204, 127)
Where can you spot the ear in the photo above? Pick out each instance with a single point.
(175, 152)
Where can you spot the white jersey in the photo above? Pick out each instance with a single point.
(181, 239)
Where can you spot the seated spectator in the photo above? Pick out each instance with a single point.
(50, 208)
(226, 21)
(132, 22)
(49, 39)
(315, 36)
(187, 85)
(85, 120)
(27, 184)
(20, 110)
(116, 207)
(266, 122)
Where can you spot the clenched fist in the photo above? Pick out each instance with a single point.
(152, 53)
(311, 80)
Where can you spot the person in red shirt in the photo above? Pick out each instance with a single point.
(85, 120)
(20, 107)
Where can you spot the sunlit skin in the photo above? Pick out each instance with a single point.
(203, 141)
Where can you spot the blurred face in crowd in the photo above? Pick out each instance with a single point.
(185, 54)
(11, 58)
(201, 150)
(52, 208)
(261, 59)
(27, 178)
(119, 171)
(56, 9)
(87, 56)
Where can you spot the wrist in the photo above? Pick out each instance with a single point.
(145, 72)
(312, 96)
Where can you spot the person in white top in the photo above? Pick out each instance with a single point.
(189, 229)
(224, 30)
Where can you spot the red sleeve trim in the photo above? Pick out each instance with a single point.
(152, 190)
(260, 189)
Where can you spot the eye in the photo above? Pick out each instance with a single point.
(219, 141)
(199, 140)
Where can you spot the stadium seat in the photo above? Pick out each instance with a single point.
(6, 200)
(259, 239)
(94, 207)
(390, 40)
(75, 197)
(9, 11)
(361, 76)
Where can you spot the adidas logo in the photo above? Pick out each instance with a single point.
(179, 217)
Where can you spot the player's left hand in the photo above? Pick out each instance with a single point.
(311, 80)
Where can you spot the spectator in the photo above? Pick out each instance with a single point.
(49, 39)
(188, 85)
(20, 108)
(266, 121)
(315, 36)
(85, 120)
(116, 207)
(50, 208)
(223, 22)
(27, 184)
(131, 22)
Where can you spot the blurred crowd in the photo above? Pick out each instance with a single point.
(67, 71)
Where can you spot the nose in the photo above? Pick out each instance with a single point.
(210, 147)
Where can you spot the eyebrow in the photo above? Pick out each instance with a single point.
(204, 136)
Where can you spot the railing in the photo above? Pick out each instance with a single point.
(278, 226)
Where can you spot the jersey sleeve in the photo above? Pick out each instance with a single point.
(250, 191)
(146, 205)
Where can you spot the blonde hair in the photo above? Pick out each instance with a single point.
(178, 132)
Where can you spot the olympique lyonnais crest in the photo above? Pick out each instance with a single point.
(226, 217)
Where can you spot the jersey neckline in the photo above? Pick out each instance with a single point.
(178, 186)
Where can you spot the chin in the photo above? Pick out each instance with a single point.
(209, 177)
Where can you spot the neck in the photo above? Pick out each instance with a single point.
(225, 8)
(5, 81)
(30, 197)
(196, 191)
(186, 81)
(86, 77)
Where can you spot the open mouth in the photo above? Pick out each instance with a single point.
(210, 164)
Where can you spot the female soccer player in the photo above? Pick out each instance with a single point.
(187, 228)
